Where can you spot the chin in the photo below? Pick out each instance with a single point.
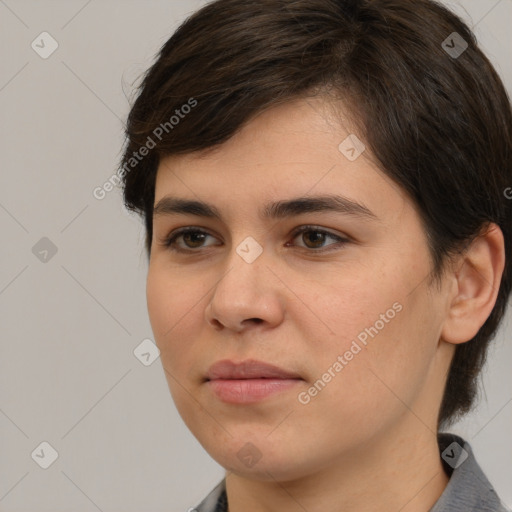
(260, 459)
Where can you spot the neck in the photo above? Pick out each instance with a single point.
(402, 471)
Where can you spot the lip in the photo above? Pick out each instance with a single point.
(248, 369)
(248, 381)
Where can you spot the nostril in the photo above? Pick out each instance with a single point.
(216, 323)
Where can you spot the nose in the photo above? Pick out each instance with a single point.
(248, 294)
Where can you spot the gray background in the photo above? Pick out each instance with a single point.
(68, 373)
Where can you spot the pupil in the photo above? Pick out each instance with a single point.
(317, 240)
(189, 236)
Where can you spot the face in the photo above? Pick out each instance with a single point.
(334, 293)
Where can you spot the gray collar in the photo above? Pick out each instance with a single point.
(468, 489)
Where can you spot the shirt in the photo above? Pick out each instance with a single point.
(468, 489)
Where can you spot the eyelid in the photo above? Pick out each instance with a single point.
(171, 237)
(311, 227)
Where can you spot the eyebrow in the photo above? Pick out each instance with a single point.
(276, 210)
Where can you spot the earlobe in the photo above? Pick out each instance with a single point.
(477, 282)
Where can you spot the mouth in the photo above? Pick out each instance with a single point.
(249, 381)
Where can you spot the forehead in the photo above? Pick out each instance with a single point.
(297, 149)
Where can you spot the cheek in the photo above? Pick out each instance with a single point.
(346, 303)
(386, 363)
(159, 299)
(176, 314)
(167, 309)
(378, 327)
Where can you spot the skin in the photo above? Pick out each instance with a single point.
(367, 440)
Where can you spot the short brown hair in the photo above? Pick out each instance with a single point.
(438, 123)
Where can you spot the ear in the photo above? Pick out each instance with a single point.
(476, 283)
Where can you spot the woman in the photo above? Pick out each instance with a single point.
(320, 371)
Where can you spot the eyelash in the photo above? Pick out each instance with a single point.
(171, 239)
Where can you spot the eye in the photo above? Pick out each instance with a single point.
(314, 238)
(193, 238)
